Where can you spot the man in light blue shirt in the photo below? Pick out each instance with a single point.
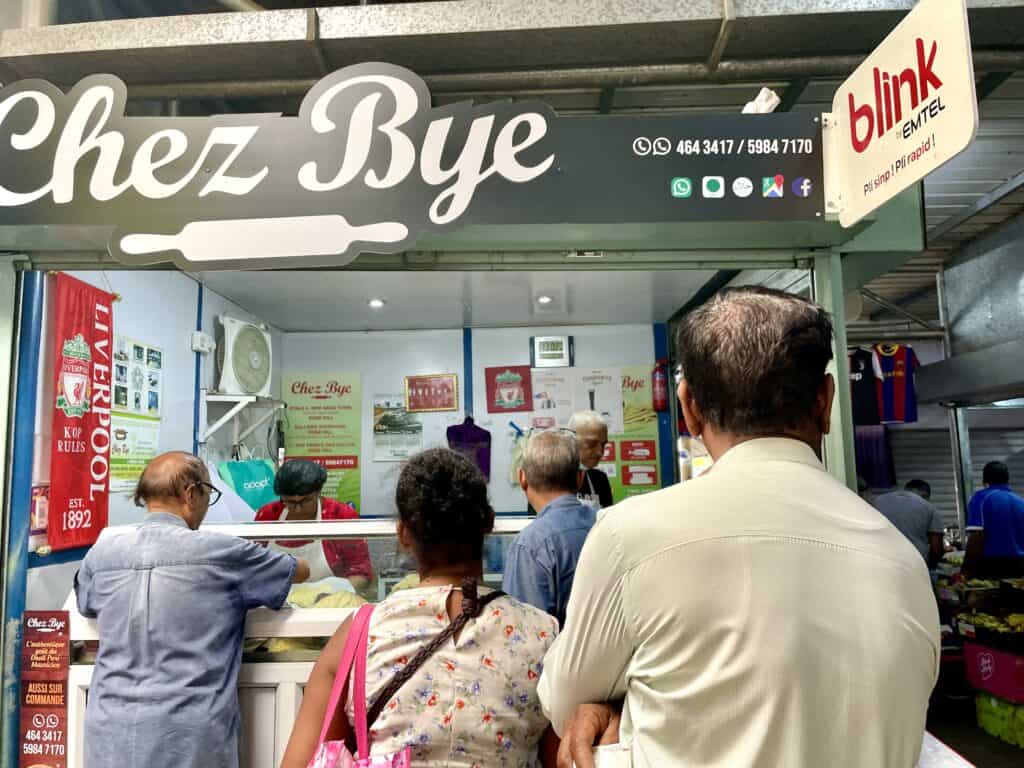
(541, 561)
(170, 603)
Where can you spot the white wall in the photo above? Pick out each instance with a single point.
(595, 347)
(383, 359)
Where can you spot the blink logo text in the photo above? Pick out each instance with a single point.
(893, 94)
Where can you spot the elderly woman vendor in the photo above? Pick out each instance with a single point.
(298, 485)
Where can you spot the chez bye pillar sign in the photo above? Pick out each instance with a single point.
(368, 165)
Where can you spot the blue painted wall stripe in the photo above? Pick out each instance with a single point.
(16, 556)
(198, 383)
(666, 447)
(57, 558)
(467, 371)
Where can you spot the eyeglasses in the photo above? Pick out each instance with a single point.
(593, 445)
(677, 373)
(293, 502)
(211, 490)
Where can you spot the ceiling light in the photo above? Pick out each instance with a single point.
(376, 303)
(544, 299)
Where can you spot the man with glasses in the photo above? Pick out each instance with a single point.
(592, 435)
(299, 484)
(541, 560)
(170, 602)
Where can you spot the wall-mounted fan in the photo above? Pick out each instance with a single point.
(243, 358)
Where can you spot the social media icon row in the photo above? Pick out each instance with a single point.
(714, 187)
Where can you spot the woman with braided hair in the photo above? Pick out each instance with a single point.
(473, 700)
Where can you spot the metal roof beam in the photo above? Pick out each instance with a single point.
(990, 83)
(908, 299)
(1008, 187)
(881, 301)
(746, 70)
(724, 33)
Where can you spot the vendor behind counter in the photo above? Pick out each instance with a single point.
(298, 484)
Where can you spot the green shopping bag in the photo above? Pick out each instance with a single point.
(252, 480)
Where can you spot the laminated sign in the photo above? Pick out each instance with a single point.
(80, 453)
(906, 110)
(45, 658)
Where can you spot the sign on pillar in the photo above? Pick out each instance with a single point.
(906, 110)
(45, 659)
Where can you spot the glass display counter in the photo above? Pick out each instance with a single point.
(280, 647)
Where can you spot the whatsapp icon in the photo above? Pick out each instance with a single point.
(682, 187)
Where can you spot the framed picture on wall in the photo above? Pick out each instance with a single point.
(432, 392)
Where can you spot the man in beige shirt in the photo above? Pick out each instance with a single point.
(762, 614)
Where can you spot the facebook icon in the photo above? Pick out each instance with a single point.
(802, 187)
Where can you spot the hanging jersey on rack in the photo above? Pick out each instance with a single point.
(897, 398)
(865, 376)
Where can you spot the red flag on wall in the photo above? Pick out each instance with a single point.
(80, 454)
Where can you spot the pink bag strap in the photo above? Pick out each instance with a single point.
(357, 632)
(361, 727)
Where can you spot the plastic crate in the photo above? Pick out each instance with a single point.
(997, 672)
(999, 718)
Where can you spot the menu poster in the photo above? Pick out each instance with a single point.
(633, 451)
(45, 659)
(397, 434)
(552, 397)
(136, 440)
(324, 425)
(509, 389)
(432, 392)
(600, 389)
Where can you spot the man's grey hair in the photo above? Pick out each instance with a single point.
(584, 419)
(754, 359)
(551, 461)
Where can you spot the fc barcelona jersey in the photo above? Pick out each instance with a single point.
(897, 399)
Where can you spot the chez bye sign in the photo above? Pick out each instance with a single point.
(366, 165)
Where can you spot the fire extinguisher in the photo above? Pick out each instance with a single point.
(659, 386)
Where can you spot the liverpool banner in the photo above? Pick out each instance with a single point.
(80, 455)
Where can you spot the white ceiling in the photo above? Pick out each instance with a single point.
(337, 300)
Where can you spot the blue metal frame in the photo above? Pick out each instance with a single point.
(16, 556)
(57, 558)
(666, 448)
(467, 371)
(198, 382)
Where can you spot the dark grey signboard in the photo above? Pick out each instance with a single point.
(368, 166)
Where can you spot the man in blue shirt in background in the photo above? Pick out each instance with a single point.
(995, 527)
(170, 603)
(541, 561)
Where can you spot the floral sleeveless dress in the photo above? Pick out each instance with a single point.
(474, 703)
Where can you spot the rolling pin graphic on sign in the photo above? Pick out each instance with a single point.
(236, 239)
